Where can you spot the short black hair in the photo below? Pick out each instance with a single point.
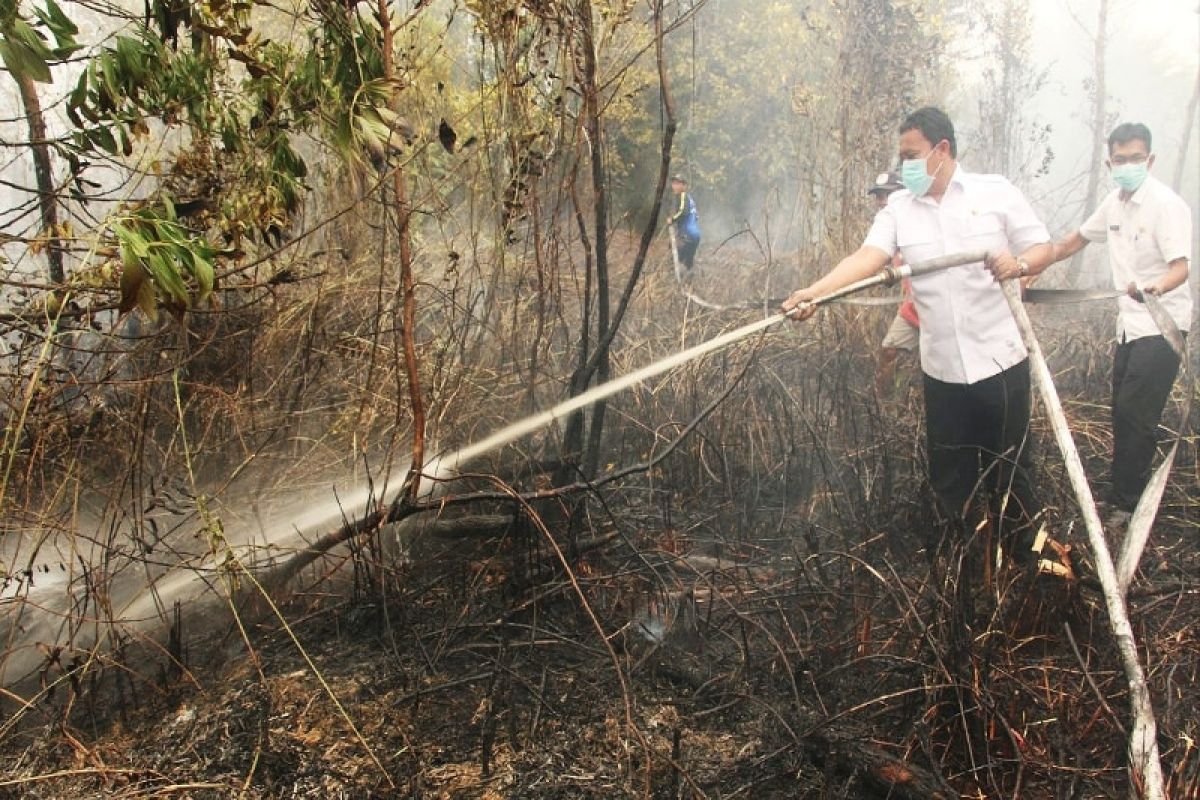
(1128, 131)
(934, 125)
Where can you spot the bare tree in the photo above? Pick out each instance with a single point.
(406, 289)
(39, 147)
(1007, 142)
(1188, 122)
(1099, 120)
(875, 87)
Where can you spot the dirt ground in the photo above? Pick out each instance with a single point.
(793, 679)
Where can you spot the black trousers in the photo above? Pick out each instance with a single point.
(978, 438)
(686, 248)
(1143, 372)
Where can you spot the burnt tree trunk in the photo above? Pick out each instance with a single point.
(406, 290)
(43, 172)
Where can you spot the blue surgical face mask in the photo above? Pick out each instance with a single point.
(1130, 176)
(914, 174)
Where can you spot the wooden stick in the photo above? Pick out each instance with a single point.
(1145, 767)
(674, 253)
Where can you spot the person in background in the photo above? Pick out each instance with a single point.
(687, 224)
(1148, 230)
(976, 369)
(904, 334)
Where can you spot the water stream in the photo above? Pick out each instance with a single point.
(53, 606)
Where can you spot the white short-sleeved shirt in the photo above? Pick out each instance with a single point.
(1144, 234)
(967, 330)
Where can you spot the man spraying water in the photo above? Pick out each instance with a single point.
(976, 370)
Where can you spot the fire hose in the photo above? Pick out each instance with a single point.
(886, 277)
(1144, 762)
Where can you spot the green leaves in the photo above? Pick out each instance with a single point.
(123, 82)
(162, 261)
(238, 103)
(61, 26)
(25, 50)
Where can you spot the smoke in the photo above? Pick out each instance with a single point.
(1153, 53)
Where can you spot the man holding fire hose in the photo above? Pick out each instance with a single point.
(1148, 230)
(976, 370)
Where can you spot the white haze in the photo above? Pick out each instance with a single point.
(1152, 58)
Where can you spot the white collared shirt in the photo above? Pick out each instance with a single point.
(967, 330)
(1144, 234)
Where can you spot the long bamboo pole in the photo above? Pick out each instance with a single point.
(1146, 776)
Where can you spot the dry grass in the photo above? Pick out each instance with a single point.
(787, 548)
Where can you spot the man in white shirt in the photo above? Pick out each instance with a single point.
(1148, 229)
(976, 370)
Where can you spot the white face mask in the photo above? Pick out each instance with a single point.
(914, 174)
(1130, 176)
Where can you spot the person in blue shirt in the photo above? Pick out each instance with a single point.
(686, 222)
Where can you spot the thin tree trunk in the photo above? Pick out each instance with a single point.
(1189, 121)
(572, 446)
(1099, 120)
(591, 105)
(47, 198)
(590, 363)
(409, 314)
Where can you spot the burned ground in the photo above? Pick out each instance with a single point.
(767, 612)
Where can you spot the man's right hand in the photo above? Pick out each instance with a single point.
(799, 306)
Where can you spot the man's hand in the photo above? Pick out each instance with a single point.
(862, 263)
(1003, 266)
(799, 306)
(1133, 291)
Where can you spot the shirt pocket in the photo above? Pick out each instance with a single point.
(917, 246)
(981, 232)
(1145, 246)
(984, 228)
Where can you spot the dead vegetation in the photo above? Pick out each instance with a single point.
(766, 611)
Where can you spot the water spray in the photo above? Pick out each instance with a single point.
(886, 277)
(450, 463)
(303, 537)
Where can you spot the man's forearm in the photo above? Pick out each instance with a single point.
(1177, 275)
(1038, 257)
(863, 263)
(1066, 247)
(1041, 256)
